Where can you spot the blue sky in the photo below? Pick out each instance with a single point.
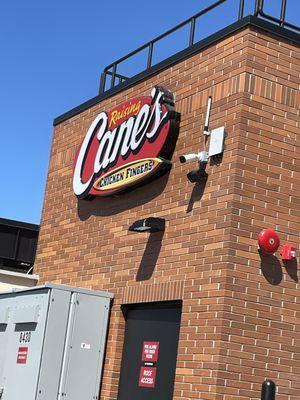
(52, 54)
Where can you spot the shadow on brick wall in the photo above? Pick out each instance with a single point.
(150, 256)
(196, 195)
(107, 206)
(272, 269)
(291, 268)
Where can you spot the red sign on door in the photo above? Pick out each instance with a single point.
(22, 355)
(147, 377)
(150, 351)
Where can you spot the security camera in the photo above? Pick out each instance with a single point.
(188, 157)
(201, 157)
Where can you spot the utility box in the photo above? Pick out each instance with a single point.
(52, 341)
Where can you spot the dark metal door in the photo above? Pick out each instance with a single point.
(150, 351)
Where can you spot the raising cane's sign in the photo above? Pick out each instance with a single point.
(127, 145)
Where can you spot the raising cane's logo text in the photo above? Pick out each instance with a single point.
(127, 145)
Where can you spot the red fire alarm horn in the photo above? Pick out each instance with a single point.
(268, 241)
(288, 252)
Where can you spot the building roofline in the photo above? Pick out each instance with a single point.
(19, 275)
(250, 20)
(19, 224)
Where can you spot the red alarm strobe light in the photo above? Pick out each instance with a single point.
(288, 252)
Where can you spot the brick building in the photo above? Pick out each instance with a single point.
(239, 308)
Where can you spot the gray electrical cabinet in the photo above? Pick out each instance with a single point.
(52, 341)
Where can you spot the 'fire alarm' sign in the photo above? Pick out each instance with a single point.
(150, 351)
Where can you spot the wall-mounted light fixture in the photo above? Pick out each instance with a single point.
(199, 175)
(150, 224)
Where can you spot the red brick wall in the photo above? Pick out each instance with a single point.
(238, 326)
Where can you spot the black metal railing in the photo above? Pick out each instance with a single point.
(281, 21)
(118, 79)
